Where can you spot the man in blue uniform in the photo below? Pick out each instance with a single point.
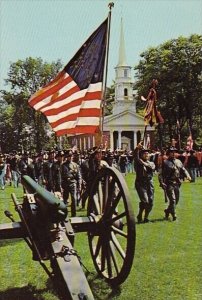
(169, 178)
(71, 181)
(144, 182)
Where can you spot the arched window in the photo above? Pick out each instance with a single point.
(125, 73)
(125, 92)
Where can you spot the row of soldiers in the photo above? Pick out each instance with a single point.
(60, 172)
(71, 174)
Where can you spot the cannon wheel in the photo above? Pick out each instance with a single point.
(112, 238)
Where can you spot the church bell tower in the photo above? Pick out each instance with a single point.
(123, 82)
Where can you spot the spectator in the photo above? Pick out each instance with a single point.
(2, 171)
(123, 161)
(192, 165)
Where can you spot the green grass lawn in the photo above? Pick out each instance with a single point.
(167, 262)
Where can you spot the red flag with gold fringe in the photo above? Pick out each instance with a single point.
(151, 115)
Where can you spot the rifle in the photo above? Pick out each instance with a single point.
(165, 195)
(162, 185)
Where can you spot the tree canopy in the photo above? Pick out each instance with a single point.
(21, 125)
(177, 65)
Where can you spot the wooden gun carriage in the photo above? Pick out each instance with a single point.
(49, 232)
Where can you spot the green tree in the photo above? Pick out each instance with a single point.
(25, 77)
(177, 65)
(110, 97)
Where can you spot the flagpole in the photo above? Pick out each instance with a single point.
(110, 5)
(178, 134)
(144, 136)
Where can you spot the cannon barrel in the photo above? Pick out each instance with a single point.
(51, 207)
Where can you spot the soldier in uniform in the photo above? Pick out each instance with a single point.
(39, 169)
(89, 170)
(192, 165)
(57, 172)
(14, 166)
(71, 181)
(169, 178)
(23, 163)
(144, 182)
(31, 171)
(48, 171)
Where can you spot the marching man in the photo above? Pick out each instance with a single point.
(169, 179)
(144, 181)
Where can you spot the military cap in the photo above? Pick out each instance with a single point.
(76, 152)
(192, 151)
(40, 153)
(171, 149)
(181, 151)
(68, 153)
(59, 153)
(96, 151)
(110, 155)
(142, 151)
(51, 152)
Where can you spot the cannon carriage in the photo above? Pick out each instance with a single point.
(50, 233)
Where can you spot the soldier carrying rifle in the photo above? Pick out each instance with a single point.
(144, 181)
(71, 180)
(169, 179)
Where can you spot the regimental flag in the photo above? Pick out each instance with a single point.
(190, 142)
(151, 115)
(72, 101)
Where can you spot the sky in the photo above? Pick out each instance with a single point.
(55, 29)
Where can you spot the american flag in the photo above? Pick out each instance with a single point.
(72, 101)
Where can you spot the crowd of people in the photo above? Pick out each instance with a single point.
(71, 172)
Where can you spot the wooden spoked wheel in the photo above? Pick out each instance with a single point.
(112, 238)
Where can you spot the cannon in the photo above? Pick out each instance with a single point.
(50, 233)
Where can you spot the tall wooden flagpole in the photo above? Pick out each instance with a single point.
(110, 5)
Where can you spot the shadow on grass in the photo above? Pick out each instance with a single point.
(101, 289)
(153, 221)
(10, 242)
(23, 293)
(158, 220)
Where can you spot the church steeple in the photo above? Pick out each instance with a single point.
(122, 52)
(123, 82)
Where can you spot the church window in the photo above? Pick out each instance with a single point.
(125, 92)
(125, 73)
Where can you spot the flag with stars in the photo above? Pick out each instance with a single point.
(72, 101)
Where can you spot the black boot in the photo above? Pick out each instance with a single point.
(141, 209)
(147, 211)
(139, 218)
(146, 220)
(174, 217)
(166, 214)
